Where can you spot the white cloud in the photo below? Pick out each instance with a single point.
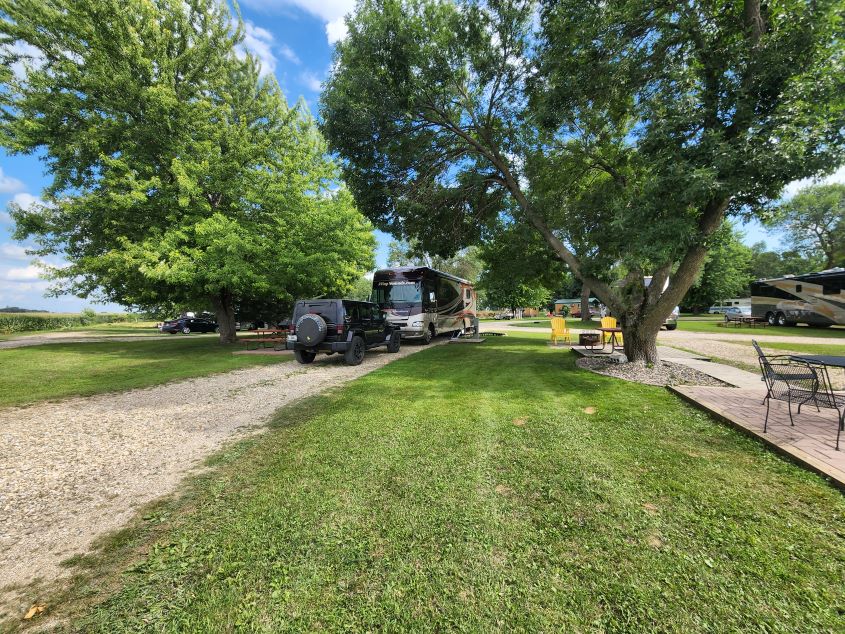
(40, 285)
(259, 42)
(9, 184)
(24, 274)
(13, 251)
(24, 200)
(28, 56)
(331, 12)
(795, 186)
(336, 31)
(312, 81)
(288, 53)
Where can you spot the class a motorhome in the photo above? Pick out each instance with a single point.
(424, 302)
(815, 299)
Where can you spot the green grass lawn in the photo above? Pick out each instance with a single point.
(468, 488)
(137, 328)
(786, 331)
(118, 328)
(51, 371)
(806, 348)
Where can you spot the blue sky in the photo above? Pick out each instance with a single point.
(294, 40)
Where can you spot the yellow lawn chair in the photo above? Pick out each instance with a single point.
(560, 331)
(610, 322)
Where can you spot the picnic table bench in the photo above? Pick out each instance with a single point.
(264, 336)
(737, 321)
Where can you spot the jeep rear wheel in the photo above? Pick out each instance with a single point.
(304, 357)
(354, 354)
(395, 342)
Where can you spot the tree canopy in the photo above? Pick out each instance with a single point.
(622, 133)
(726, 272)
(767, 264)
(519, 271)
(465, 263)
(179, 174)
(814, 221)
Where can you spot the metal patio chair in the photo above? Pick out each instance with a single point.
(798, 383)
(762, 359)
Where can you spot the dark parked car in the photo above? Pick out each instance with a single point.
(339, 325)
(187, 325)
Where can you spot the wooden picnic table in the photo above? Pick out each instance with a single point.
(614, 341)
(264, 336)
(737, 321)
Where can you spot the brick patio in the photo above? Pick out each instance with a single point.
(811, 442)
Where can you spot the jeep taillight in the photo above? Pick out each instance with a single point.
(340, 327)
(292, 328)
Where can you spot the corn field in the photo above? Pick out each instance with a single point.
(26, 322)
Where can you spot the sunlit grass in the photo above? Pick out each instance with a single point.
(469, 488)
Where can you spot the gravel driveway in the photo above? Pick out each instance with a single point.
(74, 470)
(736, 346)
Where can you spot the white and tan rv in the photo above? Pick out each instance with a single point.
(816, 299)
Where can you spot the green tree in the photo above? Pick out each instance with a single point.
(362, 289)
(465, 263)
(726, 273)
(519, 270)
(179, 175)
(623, 132)
(814, 221)
(766, 264)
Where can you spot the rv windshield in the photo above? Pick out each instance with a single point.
(407, 293)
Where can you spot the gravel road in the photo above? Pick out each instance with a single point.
(735, 346)
(74, 470)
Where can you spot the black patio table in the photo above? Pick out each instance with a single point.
(830, 360)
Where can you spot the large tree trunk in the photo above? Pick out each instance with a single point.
(641, 342)
(224, 309)
(585, 303)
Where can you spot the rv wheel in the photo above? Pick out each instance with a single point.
(770, 317)
(781, 319)
(429, 335)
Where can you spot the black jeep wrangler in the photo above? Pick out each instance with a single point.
(339, 325)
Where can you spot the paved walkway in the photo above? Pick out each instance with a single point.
(729, 374)
(811, 442)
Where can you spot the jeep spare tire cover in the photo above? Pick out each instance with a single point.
(311, 329)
